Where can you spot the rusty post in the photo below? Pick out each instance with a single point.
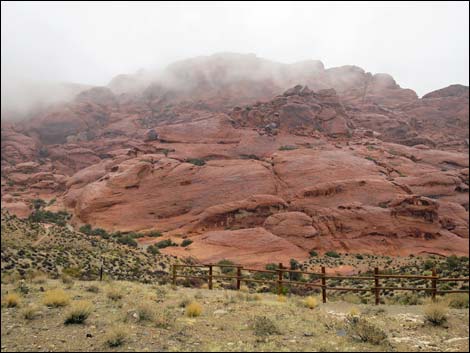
(279, 279)
(239, 276)
(323, 283)
(210, 276)
(434, 284)
(377, 284)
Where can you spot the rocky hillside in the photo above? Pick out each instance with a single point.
(30, 249)
(253, 161)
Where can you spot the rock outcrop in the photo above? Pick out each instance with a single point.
(252, 160)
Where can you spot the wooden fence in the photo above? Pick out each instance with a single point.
(319, 282)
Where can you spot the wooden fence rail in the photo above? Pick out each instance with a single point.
(320, 281)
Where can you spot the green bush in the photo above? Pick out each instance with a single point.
(165, 243)
(127, 240)
(287, 148)
(332, 254)
(313, 253)
(40, 216)
(86, 229)
(154, 234)
(226, 262)
(196, 161)
(186, 242)
(152, 249)
(264, 326)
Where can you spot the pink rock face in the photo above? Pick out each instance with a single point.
(254, 161)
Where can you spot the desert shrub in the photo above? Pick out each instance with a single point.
(74, 272)
(184, 302)
(332, 254)
(146, 311)
(60, 218)
(311, 302)
(409, 299)
(435, 314)
(264, 326)
(78, 313)
(165, 243)
(11, 300)
(114, 293)
(152, 249)
(66, 279)
(359, 257)
(100, 232)
(38, 204)
(458, 300)
(39, 278)
(351, 298)
(194, 309)
(92, 289)
(196, 161)
(226, 270)
(287, 148)
(154, 234)
(294, 265)
(86, 229)
(116, 336)
(362, 330)
(30, 312)
(56, 298)
(163, 318)
(127, 240)
(186, 242)
(313, 253)
(452, 262)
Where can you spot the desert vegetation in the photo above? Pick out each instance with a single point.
(117, 315)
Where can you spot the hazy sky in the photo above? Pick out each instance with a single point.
(423, 45)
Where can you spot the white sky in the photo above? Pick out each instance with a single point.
(423, 45)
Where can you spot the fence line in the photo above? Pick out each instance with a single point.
(322, 278)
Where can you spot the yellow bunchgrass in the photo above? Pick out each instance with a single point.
(56, 298)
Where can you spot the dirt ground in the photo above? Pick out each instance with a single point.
(225, 324)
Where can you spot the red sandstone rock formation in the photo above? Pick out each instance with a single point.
(245, 159)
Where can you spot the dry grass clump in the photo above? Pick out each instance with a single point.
(436, 314)
(351, 298)
(311, 302)
(264, 326)
(457, 300)
(114, 293)
(163, 318)
(184, 302)
(281, 298)
(194, 309)
(30, 312)
(56, 298)
(364, 331)
(66, 279)
(78, 313)
(39, 278)
(11, 300)
(146, 311)
(116, 336)
(93, 289)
